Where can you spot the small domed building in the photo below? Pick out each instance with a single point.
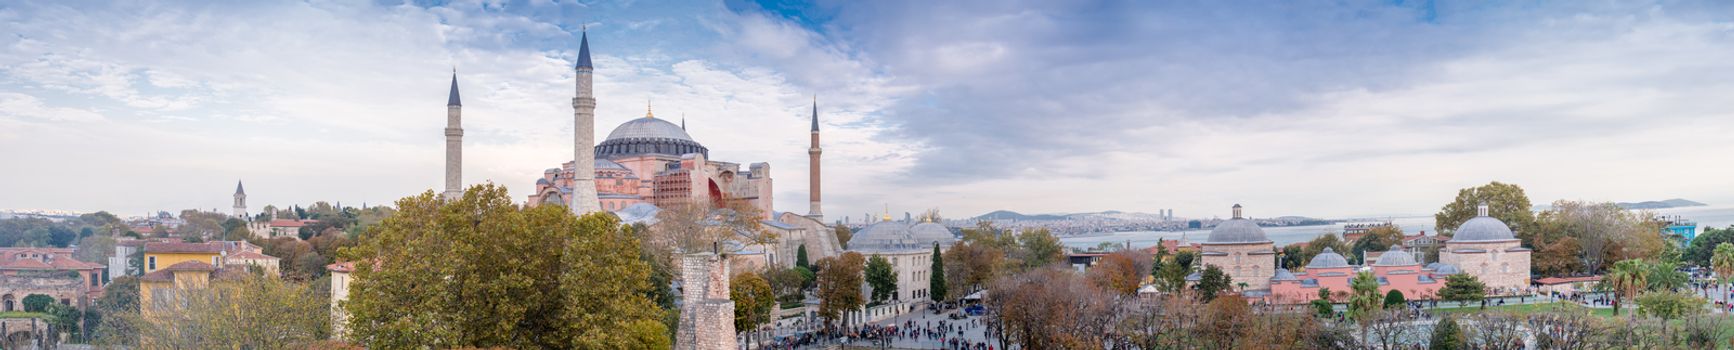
(1486, 247)
(1396, 270)
(1239, 247)
(909, 248)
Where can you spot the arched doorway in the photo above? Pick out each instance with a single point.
(7, 299)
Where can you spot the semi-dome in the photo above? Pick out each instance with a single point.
(1446, 269)
(1328, 259)
(608, 164)
(1237, 230)
(1283, 275)
(1396, 257)
(648, 135)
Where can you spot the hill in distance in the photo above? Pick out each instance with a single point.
(1665, 204)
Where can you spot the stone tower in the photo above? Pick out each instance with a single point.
(707, 316)
(813, 168)
(240, 201)
(584, 199)
(454, 143)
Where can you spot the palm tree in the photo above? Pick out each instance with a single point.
(1722, 261)
(1625, 279)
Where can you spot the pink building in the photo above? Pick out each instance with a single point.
(1396, 270)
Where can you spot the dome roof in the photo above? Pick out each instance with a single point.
(1328, 259)
(1483, 228)
(931, 233)
(1396, 257)
(1283, 275)
(1237, 230)
(648, 128)
(1446, 269)
(608, 164)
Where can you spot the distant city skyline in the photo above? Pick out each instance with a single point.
(967, 107)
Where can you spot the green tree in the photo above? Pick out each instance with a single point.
(882, 278)
(1395, 299)
(1318, 245)
(482, 271)
(1669, 305)
(254, 312)
(1040, 248)
(1703, 247)
(936, 276)
(839, 285)
(1377, 239)
(1322, 306)
(801, 256)
(1172, 277)
(1447, 336)
(753, 300)
(1365, 303)
(1211, 282)
(37, 302)
(1463, 288)
(1506, 202)
(1723, 262)
(1666, 276)
(1626, 279)
(65, 319)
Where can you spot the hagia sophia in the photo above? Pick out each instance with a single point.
(650, 163)
(1483, 247)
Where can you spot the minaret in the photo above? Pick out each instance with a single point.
(454, 143)
(584, 141)
(813, 168)
(240, 201)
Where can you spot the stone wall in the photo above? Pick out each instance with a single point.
(1250, 263)
(707, 315)
(1502, 265)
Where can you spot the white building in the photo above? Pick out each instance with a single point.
(909, 248)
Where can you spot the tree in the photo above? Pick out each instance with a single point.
(1557, 256)
(1395, 299)
(753, 300)
(843, 235)
(801, 256)
(95, 249)
(1446, 336)
(1211, 282)
(695, 226)
(839, 284)
(1604, 232)
(254, 312)
(1049, 309)
(1365, 304)
(971, 265)
(1463, 288)
(1377, 239)
(1703, 247)
(1669, 306)
(64, 319)
(1318, 245)
(1665, 276)
(882, 278)
(1505, 202)
(1293, 256)
(435, 274)
(1120, 273)
(37, 302)
(1040, 248)
(936, 276)
(1723, 262)
(1626, 279)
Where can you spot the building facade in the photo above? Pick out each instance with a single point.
(1486, 247)
(1239, 247)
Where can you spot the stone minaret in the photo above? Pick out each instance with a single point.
(584, 141)
(454, 143)
(240, 201)
(813, 168)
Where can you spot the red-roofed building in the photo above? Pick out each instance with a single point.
(279, 228)
(48, 271)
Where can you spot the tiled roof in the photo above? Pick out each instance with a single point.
(252, 256)
(183, 247)
(345, 267)
(190, 266)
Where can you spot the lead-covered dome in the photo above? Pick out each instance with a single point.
(1483, 228)
(1237, 230)
(931, 232)
(1328, 259)
(648, 135)
(1396, 257)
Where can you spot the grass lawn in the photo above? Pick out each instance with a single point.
(1525, 309)
(21, 314)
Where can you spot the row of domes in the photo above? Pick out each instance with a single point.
(894, 235)
(1481, 228)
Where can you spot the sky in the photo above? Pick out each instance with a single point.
(1328, 109)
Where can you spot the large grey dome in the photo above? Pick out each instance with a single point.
(1237, 230)
(931, 233)
(1483, 228)
(648, 136)
(1328, 259)
(1396, 257)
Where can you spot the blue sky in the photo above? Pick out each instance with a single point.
(1325, 109)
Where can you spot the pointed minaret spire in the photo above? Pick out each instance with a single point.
(452, 99)
(584, 49)
(454, 131)
(813, 152)
(683, 122)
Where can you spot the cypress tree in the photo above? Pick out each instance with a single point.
(1446, 335)
(936, 279)
(801, 256)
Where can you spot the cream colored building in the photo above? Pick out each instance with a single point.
(1239, 247)
(1487, 249)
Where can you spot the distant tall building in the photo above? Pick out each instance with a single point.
(240, 201)
(813, 168)
(454, 143)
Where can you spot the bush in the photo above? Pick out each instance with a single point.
(1395, 299)
(1446, 336)
(37, 302)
